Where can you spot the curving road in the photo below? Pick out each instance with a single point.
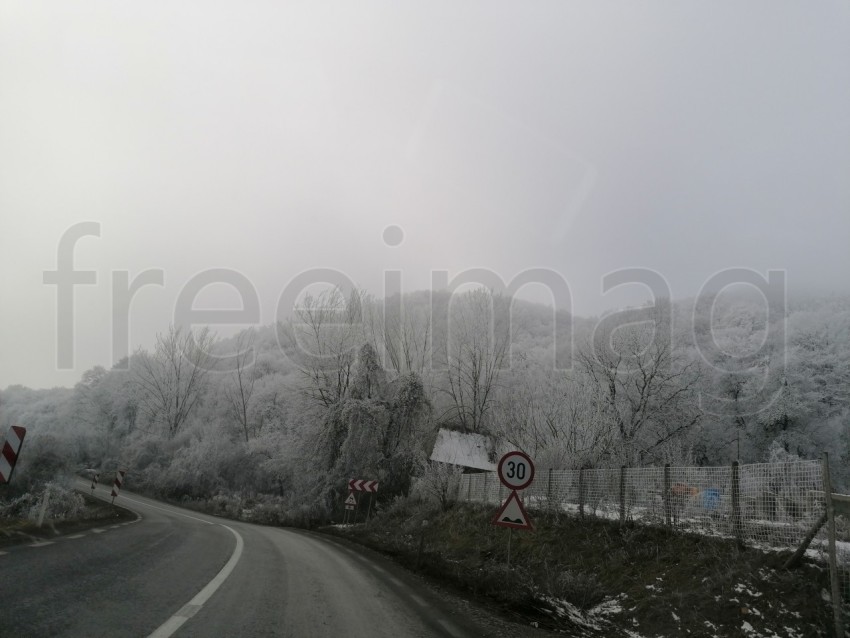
(176, 572)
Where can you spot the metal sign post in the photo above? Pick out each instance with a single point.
(516, 472)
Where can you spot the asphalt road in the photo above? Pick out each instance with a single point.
(176, 572)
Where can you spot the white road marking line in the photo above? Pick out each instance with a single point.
(419, 601)
(193, 606)
(395, 581)
(114, 526)
(97, 530)
(3, 553)
(450, 628)
(41, 543)
(77, 536)
(380, 569)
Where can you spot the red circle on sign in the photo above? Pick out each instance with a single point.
(516, 471)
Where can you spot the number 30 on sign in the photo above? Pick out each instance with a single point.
(516, 471)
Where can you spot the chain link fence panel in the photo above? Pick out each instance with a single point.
(768, 505)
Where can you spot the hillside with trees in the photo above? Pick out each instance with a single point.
(352, 386)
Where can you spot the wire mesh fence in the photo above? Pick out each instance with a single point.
(765, 505)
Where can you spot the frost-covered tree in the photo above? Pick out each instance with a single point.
(473, 352)
(173, 377)
(400, 328)
(324, 337)
(647, 385)
(559, 417)
(238, 388)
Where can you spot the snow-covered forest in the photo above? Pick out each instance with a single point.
(356, 387)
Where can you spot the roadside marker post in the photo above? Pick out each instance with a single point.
(94, 481)
(116, 486)
(10, 452)
(45, 499)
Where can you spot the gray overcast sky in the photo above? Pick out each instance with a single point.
(274, 137)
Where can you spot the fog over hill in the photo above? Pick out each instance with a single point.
(354, 386)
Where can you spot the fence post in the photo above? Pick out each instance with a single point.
(736, 505)
(485, 499)
(622, 494)
(833, 563)
(581, 492)
(468, 488)
(549, 490)
(668, 514)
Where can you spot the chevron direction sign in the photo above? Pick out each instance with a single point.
(362, 485)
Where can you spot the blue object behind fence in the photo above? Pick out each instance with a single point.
(711, 498)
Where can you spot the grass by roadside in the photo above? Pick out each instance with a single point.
(596, 578)
(17, 527)
(584, 577)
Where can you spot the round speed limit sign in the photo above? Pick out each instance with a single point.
(516, 470)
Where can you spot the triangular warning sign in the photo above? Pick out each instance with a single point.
(513, 514)
(351, 500)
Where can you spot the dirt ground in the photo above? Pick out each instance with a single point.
(588, 577)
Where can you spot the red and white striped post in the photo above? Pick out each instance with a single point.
(10, 452)
(116, 486)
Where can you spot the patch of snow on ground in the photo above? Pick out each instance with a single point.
(594, 618)
(740, 588)
(608, 607)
